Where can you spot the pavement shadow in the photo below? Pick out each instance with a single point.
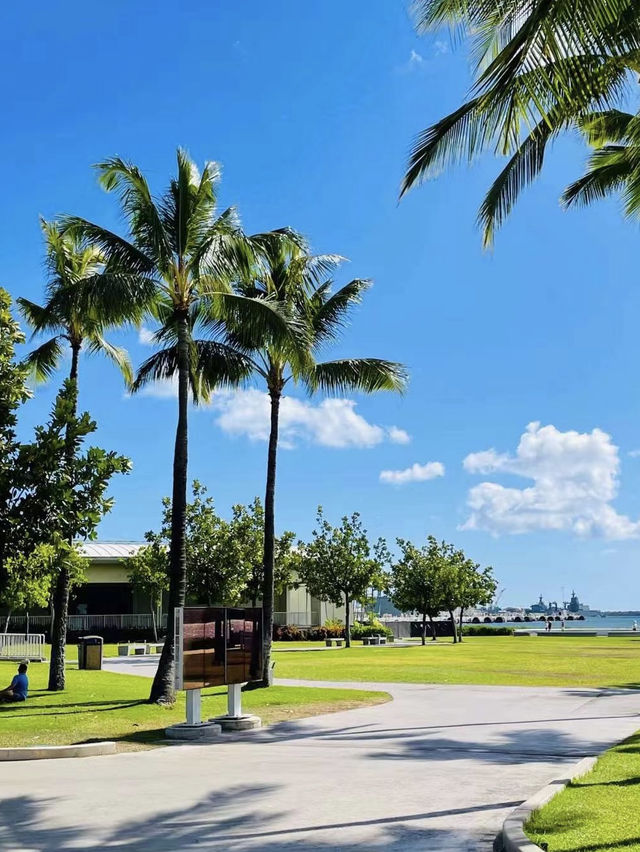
(524, 743)
(521, 745)
(236, 819)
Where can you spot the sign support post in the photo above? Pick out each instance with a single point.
(194, 705)
(234, 701)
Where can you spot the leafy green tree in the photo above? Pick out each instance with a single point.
(339, 565)
(181, 256)
(77, 314)
(416, 583)
(540, 69)
(149, 574)
(477, 587)
(15, 537)
(71, 482)
(291, 275)
(248, 525)
(29, 582)
(464, 584)
(218, 565)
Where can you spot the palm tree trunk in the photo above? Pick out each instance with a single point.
(6, 622)
(269, 538)
(63, 580)
(162, 689)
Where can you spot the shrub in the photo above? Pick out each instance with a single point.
(289, 633)
(486, 630)
(359, 631)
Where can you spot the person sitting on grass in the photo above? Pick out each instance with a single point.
(19, 688)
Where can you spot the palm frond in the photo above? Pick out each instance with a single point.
(40, 317)
(521, 170)
(607, 172)
(143, 217)
(253, 323)
(329, 315)
(450, 140)
(602, 128)
(45, 359)
(116, 354)
(116, 250)
(357, 374)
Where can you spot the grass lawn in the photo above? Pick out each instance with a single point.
(598, 812)
(508, 660)
(103, 705)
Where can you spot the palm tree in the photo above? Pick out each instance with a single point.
(614, 165)
(75, 267)
(180, 246)
(297, 279)
(540, 68)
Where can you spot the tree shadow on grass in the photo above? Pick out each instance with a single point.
(19, 708)
(238, 818)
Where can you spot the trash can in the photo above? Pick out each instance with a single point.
(90, 652)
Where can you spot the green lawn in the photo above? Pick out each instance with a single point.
(509, 660)
(598, 812)
(102, 705)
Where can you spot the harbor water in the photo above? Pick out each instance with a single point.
(593, 622)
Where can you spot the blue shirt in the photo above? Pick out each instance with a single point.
(20, 685)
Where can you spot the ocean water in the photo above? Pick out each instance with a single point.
(609, 622)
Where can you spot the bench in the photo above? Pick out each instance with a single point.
(374, 640)
(337, 643)
(155, 647)
(125, 649)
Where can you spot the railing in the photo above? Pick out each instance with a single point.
(84, 623)
(296, 619)
(21, 646)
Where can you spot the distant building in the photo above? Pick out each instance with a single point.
(109, 592)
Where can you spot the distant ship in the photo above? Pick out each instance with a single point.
(569, 609)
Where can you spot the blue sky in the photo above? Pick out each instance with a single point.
(310, 108)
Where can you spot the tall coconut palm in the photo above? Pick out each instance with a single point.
(294, 277)
(189, 252)
(74, 268)
(539, 68)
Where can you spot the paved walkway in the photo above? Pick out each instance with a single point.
(436, 769)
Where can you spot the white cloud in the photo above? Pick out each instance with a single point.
(330, 423)
(398, 436)
(161, 389)
(634, 454)
(145, 336)
(415, 473)
(415, 59)
(575, 478)
(441, 47)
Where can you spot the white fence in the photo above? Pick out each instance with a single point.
(21, 646)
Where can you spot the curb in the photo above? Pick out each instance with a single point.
(52, 752)
(513, 837)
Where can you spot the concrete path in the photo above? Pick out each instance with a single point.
(436, 769)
